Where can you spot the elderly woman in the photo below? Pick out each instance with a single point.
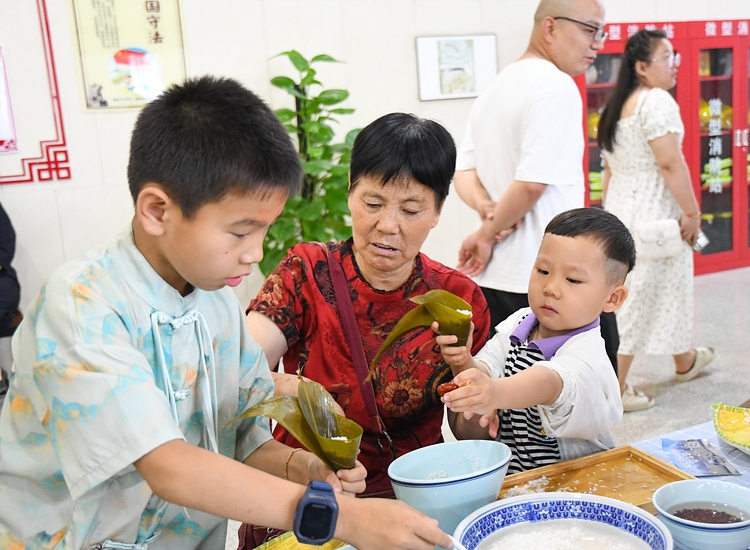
(401, 171)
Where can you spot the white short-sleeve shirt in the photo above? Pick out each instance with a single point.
(85, 402)
(526, 126)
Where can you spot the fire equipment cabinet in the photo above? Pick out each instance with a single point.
(714, 98)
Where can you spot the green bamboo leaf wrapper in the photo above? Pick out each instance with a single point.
(287, 410)
(436, 305)
(317, 407)
(417, 317)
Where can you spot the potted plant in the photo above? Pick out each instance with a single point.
(320, 212)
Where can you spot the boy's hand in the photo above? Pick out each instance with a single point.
(348, 482)
(458, 357)
(477, 393)
(390, 524)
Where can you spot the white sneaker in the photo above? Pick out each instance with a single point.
(635, 400)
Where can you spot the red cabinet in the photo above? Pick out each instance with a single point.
(713, 94)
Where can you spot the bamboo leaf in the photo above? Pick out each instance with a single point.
(416, 318)
(337, 436)
(286, 411)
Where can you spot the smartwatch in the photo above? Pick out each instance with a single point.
(316, 514)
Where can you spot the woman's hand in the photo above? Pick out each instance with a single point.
(689, 227)
(457, 357)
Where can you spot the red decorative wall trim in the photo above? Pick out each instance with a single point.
(53, 162)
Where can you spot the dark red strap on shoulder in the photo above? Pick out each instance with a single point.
(354, 340)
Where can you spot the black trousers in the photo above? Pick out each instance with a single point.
(502, 304)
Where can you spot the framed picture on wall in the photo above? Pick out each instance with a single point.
(451, 67)
(130, 52)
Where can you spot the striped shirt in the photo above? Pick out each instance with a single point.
(521, 429)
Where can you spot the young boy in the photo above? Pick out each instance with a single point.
(132, 360)
(546, 369)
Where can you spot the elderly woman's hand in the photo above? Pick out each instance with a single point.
(457, 357)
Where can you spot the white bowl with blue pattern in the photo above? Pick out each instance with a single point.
(539, 507)
(692, 535)
(448, 481)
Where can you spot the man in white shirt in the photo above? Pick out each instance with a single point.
(520, 162)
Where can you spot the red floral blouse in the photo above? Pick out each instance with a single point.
(298, 296)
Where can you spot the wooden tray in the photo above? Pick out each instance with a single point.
(625, 473)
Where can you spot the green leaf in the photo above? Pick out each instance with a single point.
(297, 93)
(285, 115)
(342, 111)
(324, 57)
(325, 134)
(291, 128)
(352, 135)
(312, 126)
(299, 62)
(341, 147)
(331, 97)
(283, 230)
(314, 230)
(313, 210)
(283, 82)
(309, 78)
(271, 258)
(315, 167)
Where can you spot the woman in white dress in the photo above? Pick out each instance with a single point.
(646, 179)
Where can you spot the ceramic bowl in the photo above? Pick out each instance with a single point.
(448, 481)
(692, 535)
(540, 507)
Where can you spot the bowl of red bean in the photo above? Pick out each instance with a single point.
(705, 514)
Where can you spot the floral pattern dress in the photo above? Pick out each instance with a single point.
(657, 316)
(299, 298)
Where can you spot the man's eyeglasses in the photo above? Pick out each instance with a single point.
(673, 60)
(598, 35)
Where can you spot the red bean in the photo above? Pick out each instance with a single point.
(442, 389)
(704, 515)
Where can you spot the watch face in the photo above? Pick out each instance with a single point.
(316, 521)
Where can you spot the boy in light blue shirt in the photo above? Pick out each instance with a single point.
(132, 361)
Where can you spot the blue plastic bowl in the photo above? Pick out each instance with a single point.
(693, 535)
(448, 481)
(540, 507)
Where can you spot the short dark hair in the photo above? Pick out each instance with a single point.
(613, 237)
(401, 146)
(207, 137)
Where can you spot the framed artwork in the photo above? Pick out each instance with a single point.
(39, 152)
(451, 67)
(8, 140)
(130, 52)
